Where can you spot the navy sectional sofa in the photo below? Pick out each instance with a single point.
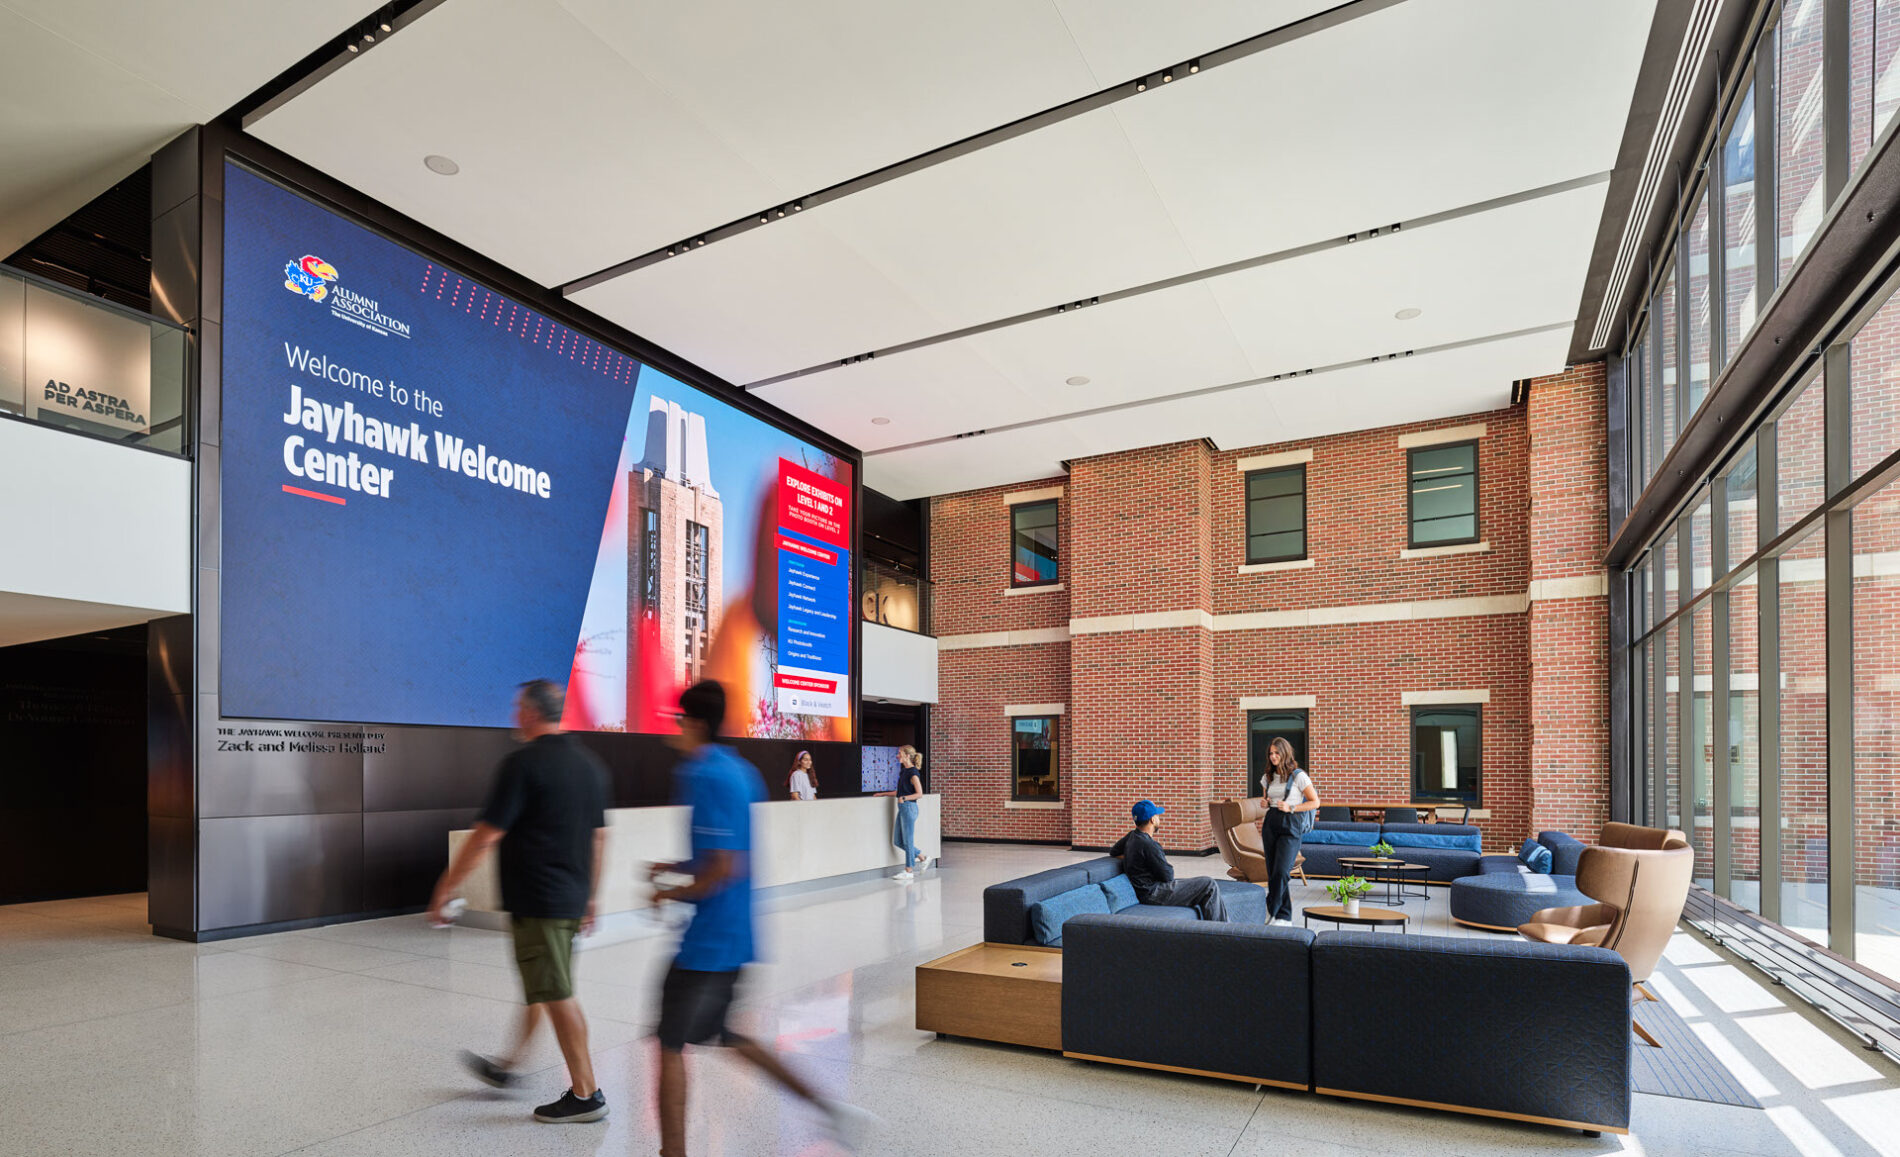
(1494, 892)
(1006, 906)
(1342, 1013)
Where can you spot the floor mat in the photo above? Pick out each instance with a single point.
(1684, 1067)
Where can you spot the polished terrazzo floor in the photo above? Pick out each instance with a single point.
(341, 1042)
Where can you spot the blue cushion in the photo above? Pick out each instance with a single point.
(1463, 843)
(1535, 856)
(1047, 916)
(1357, 839)
(1119, 893)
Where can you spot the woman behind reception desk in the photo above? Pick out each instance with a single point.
(803, 782)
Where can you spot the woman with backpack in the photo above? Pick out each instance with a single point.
(1291, 801)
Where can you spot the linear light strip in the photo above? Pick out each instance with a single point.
(1248, 263)
(1114, 94)
(1695, 47)
(1208, 391)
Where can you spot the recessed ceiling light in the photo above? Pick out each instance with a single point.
(1408, 313)
(880, 421)
(438, 163)
(1077, 380)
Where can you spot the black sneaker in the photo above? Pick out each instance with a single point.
(573, 1110)
(487, 1071)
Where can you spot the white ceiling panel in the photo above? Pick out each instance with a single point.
(935, 392)
(779, 298)
(1050, 216)
(818, 92)
(571, 158)
(1124, 39)
(1440, 385)
(1470, 380)
(90, 89)
(1509, 269)
(1157, 343)
(1420, 108)
(973, 463)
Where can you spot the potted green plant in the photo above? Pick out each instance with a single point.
(1347, 890)
(1382, 850)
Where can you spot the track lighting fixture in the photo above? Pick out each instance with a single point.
(1167, 77)
(1141, 85)
(1194, 66)
(353, 48)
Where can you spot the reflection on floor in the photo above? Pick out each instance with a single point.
(341, 1041)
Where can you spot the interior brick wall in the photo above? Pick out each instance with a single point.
(1155, 712)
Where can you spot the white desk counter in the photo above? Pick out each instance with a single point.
(792, 843)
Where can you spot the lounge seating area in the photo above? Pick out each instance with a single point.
(1583, 940)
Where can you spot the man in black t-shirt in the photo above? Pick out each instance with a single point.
(547, 810)
(1148, 870)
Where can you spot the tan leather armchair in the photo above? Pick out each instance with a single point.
(1617, 835)
(1639, 895)
(1236, 824)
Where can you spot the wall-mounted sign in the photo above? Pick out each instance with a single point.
(894, 600)
(86, 368)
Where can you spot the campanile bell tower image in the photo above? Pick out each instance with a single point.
(675, 527)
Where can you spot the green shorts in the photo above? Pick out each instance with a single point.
(544, 952)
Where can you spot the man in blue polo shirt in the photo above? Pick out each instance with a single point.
(720, 788)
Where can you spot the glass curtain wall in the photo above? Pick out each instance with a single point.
(1764, 644)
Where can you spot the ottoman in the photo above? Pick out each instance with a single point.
(1500, 901)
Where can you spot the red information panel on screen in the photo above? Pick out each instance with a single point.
(813, 505)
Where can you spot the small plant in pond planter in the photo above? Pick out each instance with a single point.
(1381, 849)
(1347, 890)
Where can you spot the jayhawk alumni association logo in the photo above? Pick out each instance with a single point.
(310, 277)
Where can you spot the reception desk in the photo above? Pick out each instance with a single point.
(792, 843)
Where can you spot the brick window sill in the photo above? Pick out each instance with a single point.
(1442, 551)
(1035, 805)
(1045, 589)
(1264, 567)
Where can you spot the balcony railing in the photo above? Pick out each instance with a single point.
(73, 361)
(895, 598)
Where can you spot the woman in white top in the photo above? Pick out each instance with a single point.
(804, 780)
(1290, 800)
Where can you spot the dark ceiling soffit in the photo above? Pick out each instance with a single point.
(333, 54)
(1205, 391)
(1368, 235)
(1126, 90)
(287, 170)
(1844, 267)
(1666, 31)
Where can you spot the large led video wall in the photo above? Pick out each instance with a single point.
(432, 493)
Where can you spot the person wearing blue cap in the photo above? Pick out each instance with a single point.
(1148, 870)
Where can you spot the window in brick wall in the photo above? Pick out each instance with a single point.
(1443, 505)
(1276, 515)
(1032, 535)
(1447, 743)
(1034, 766)
(1263, 727)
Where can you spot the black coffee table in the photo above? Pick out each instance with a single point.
(1395, 874)
(1373, 917)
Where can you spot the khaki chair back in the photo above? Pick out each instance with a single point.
(1632, 836)
(1236, 824)
(1647, 889)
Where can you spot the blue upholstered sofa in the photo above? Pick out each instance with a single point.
(1450, 850)
(1341, 1013)
(1007, 907)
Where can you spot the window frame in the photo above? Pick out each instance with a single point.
(1247, 531)
(1306, 730)
(1477, 496)
(1054, 505)
(1439, 797)
(1055, 760)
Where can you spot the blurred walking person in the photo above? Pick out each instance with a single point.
(548, 812)
(696, 997)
